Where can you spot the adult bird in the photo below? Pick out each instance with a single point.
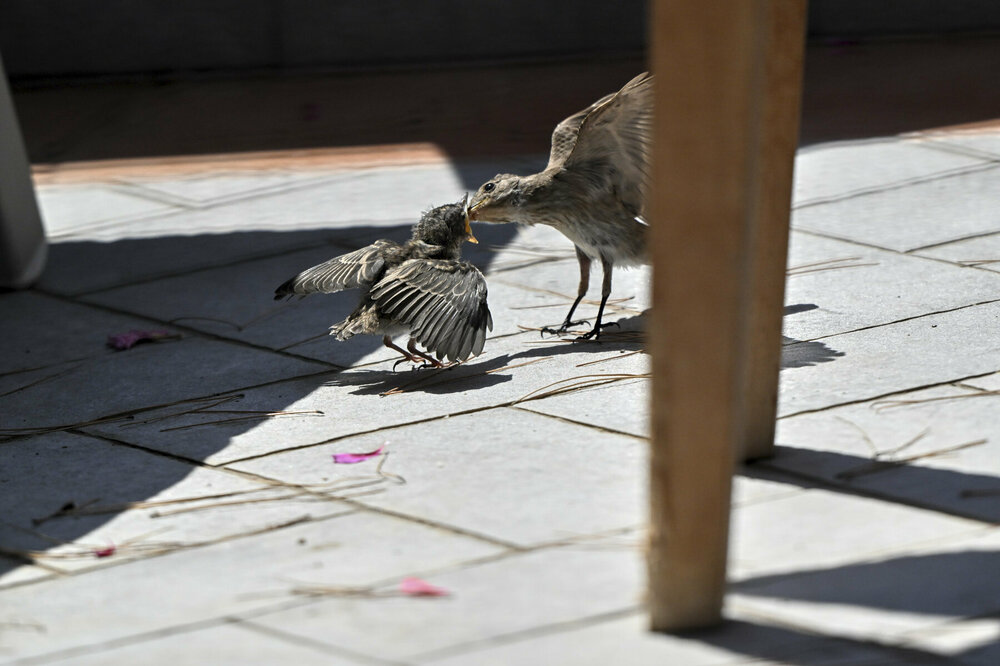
(593, 189)
(418, 287)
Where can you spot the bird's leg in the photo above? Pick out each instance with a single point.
(387, 341)
(595, 332)
(411, 347)
(581, 291)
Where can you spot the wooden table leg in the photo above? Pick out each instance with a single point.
(778, 136)
(712, 92)
(22, 239)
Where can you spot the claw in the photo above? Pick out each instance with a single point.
(411, 359)
(595, 332)
(562, 328)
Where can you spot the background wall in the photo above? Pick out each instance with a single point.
(55, 38)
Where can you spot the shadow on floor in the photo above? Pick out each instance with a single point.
(938, 585)
(172, 283)
(785, 645)
(964, 494)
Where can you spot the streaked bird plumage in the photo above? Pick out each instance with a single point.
(420, 287)
(593, 188)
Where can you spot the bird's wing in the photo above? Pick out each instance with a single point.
(565, 133)
(616, 135)
(443, 302)
(348, 271)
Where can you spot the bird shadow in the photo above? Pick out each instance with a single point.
(805, 353)
(459, 377)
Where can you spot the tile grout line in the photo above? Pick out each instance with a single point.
(138, 189)
(178, 206)
(902, 253)
(899, 649)
(942, 143)
(197, 333)
(329, 242)
(831, 486)
(517, 636)
(984, 165)
(122, 641)
(115, 416)
(361, 506)
(592, 426)
(324, 648)
(910, 389)
(930, 246)
(359, 433)
(246, 618)
(267, 529)
(513, 404)
(894, 322)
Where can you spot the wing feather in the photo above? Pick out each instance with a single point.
(443, 302)
(348, 271)
(617, 134)
(565, 134)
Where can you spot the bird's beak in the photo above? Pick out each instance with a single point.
(468, 226)
(472, 209)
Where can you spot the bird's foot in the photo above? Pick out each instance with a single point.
(595, 333)
(408, 358)
(434, 363)
(562, 328)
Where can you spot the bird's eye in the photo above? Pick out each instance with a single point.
(489, 187)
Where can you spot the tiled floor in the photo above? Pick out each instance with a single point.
(515, 481)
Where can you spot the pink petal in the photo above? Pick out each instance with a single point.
(351, 458)
(414, 587)
(130, 339)
(105, 552)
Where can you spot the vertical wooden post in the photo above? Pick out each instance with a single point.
(711, 85)
(22, 239)
(784, 40)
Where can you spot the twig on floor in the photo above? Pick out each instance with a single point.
(249, 416)
(978, 262)
(579, 383)
(611, 358)
(880, 405)
(215, 402)
(67, 509)
(828, 265)
(883, 465)
(333, 591)
(111, 418)
(238, 327)
(90, 509)
(43, 380)
(611, 302)
(864, 435)
(311, 338)
(904, 446)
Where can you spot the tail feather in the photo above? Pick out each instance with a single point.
(287, 290)
(346, 329)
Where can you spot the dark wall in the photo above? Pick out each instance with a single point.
(856, 18)
(40, 38)
(56, 37)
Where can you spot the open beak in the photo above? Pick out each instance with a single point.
(468, 226)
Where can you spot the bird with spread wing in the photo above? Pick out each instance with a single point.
(593, 189)
(420, 287)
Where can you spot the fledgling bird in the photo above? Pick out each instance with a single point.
(420, 287)
(593, 189)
